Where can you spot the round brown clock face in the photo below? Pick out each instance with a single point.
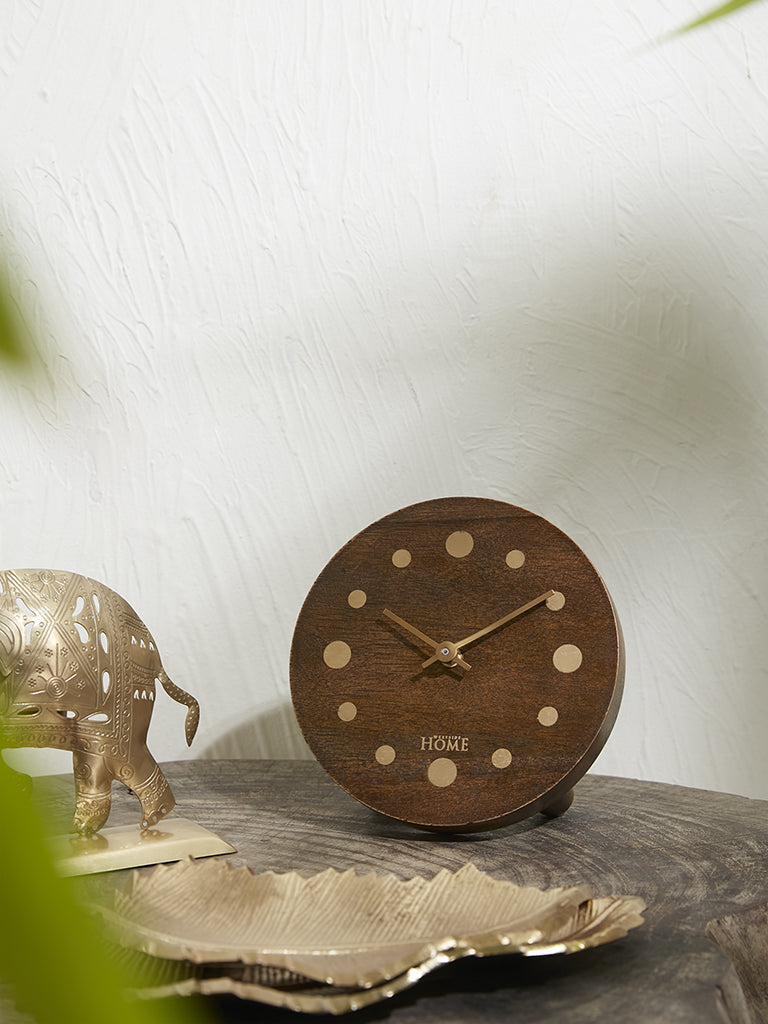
(458, 665)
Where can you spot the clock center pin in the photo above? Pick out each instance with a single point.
(448, 653)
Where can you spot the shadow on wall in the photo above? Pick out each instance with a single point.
(620, 392)
(269, 735)
(656, 448)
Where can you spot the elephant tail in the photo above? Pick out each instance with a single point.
(176, 692)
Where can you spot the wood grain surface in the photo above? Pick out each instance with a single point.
(692, 855)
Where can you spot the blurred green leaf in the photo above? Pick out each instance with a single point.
(51, 950)
(15, 344)
(713, 15)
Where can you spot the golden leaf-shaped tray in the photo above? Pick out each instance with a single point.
(339, 941)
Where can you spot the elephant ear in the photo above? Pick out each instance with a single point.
(11, 643)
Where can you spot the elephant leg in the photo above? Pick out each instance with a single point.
(155, 794)
(93, 791)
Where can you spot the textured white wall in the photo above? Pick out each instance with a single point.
(294, 265)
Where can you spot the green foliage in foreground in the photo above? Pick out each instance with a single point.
(15, 346)
(713, 15)
(51, 949)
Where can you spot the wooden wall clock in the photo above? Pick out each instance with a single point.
(458, 665)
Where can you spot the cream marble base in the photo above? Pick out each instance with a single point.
(126, 846)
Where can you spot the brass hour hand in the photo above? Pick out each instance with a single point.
(453, 651)
(424, 638)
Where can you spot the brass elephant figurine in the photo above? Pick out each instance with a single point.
(78, 671)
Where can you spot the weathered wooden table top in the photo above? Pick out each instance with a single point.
(692, 855)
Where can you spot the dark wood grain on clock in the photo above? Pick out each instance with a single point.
(383, 699)
(691, 854)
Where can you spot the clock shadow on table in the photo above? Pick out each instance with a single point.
(382, 828)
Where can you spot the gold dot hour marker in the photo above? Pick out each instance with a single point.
(347, 711)
(337, 654)
(501, 758)
(515, 559)
(357, 599)
(385, 754)
(548, 716)
(459, 544)
(556, 602)
(442, 772)
(401, 558)
(567, 658)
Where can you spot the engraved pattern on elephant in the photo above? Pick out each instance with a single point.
(78, 671)
(73, 654)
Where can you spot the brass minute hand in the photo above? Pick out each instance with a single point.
(421, 636)
(455, 649)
